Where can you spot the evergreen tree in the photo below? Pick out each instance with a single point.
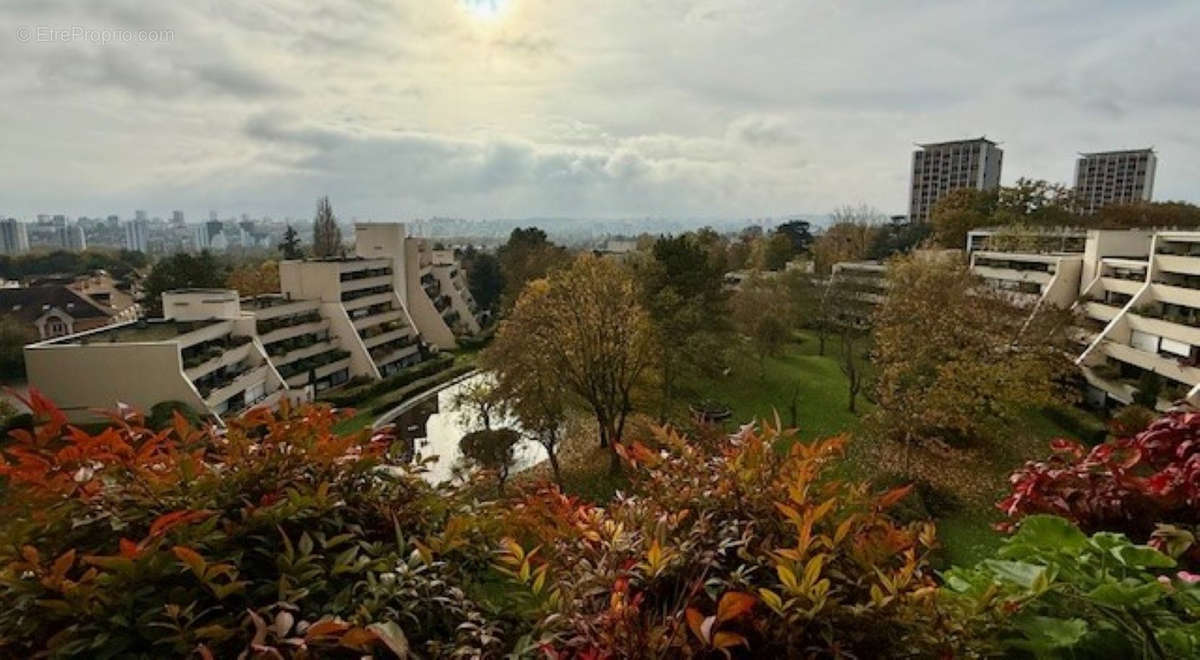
(290, 246)
(327, 236)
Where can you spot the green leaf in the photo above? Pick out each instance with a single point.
(1050, 633)
(1051, 533)
(1126, 595)
(1140, 556)
(1019, 572)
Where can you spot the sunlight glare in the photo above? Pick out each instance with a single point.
(485, 9)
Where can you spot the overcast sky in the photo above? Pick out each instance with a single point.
(400, 109)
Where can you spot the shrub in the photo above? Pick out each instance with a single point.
(1132, 419)
(274, 537)
(1078, 423)
(162, 414)
(349, 397)
(737, 547)
(1054, 592)
(1128, 484)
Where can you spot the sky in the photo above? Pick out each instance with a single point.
(404, 109)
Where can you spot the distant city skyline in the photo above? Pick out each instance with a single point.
(411, 109)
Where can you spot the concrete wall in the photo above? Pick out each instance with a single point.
(425, 316)
(201, 305)
(384, 240)
(1112, 243)
(80, 378)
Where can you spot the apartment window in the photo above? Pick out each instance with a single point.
(1144, 341)
(55, 327)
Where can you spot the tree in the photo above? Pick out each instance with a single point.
(252, 280)
(848, 238)
(956, 358)
(800, 234)
(852, 361)
(528, 255)
(290, 245)
(779, 251)
(484, 279)
(481, 402)
(327, 236)
(683, 292)
(761, 313)
(1036, 202)
(958, 212)
(14, 335)
(594, 336)
(1147, 214)
(898, 237)
(538, 405)
(181, 271)
(493, 450)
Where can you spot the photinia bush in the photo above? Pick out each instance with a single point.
(274, 537)
(1130, 484)
(727, 548)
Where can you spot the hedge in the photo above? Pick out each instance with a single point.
(350, 397)
(1078, 423)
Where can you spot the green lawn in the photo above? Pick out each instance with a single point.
(822, 404)
(966, 528)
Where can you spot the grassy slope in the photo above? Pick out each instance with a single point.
(966, 533)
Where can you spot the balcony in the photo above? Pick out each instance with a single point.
(388, 357)
(276, 308)
(1176, 295)
(1012, 275)
(383, 337)
(288, 332)
(299, 352)
(1127, 287)
(369, 319)
(441, 303)
(1172, 367)
(370, 300)
(267, 400)
(233, 384)
(268, 326)
(312, 363)
(364, 274)
(366, 283)
(216, 357)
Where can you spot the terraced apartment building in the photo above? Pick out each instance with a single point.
(368, 315)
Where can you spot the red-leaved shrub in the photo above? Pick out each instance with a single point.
(1129, 484)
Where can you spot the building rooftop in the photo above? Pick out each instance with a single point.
(30, 303)
(1116, 152)
(926, 145)
(155, 330)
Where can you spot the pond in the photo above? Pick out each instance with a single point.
(434, 426)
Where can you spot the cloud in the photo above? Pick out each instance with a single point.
(399, 108)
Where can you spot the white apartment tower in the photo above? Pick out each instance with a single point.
(1114, 177)
(13, 237)
(137, 232)
(940, 167)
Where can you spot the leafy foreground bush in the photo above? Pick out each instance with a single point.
(274, 537)
(1055, 593)
(1145, 485)
(728, 546)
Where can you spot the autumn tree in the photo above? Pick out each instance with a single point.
(778, 251)
(327, 236)
(252, 280)
(1034, 202)
(595, 338)
(955, 358)
(527, 256)
(1147, 214)
(290, 245)
(484, 279)
(181, 271)
(852, 360)
(522, 386)
(493, 450)
(761, 313)
(848, 238)
(958, 212)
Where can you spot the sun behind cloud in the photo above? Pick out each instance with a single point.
(485, 9)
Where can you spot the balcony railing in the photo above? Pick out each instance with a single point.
(352, 275)
(348, 296)
(198, 354)
(270, 325)
(312, 363)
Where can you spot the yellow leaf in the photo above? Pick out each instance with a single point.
(786, 576)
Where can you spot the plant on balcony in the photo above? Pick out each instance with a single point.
(1149, 386)
(1107, 371)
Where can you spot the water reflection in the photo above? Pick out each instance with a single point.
(434, 426)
